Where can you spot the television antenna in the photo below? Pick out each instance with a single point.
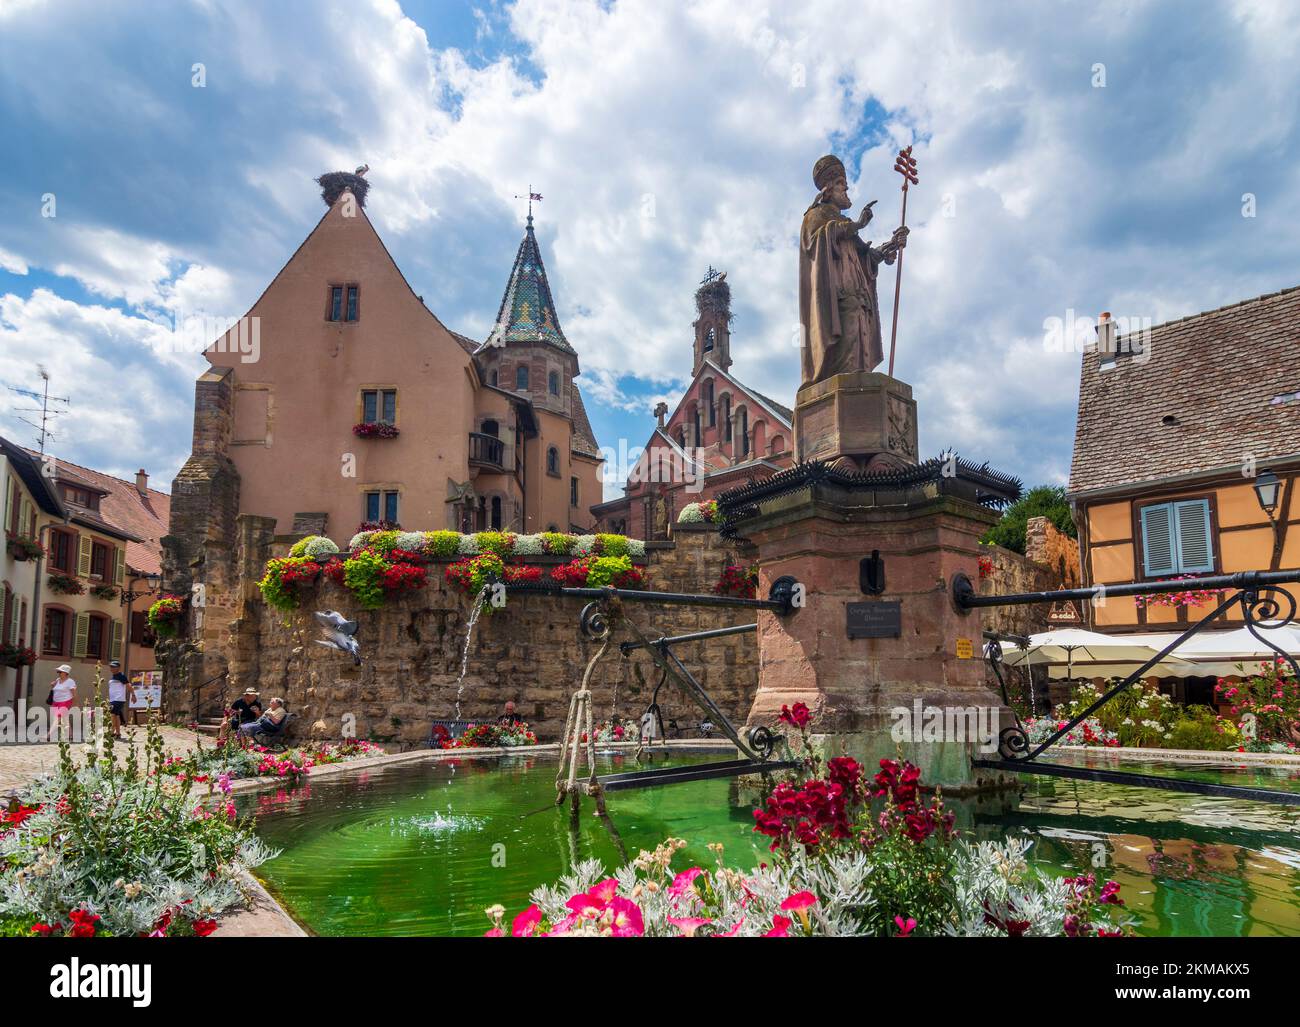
(50, 408)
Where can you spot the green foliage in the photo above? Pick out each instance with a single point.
(611, 545)
(606, 570)
(1202, 729)
(501, 543)
(363, 574)
(1043, 501)
(279, 585)
(123, 840)
(383, 542)
(557, 543)
(442, 543)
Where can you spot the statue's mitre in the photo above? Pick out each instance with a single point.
(826, 169)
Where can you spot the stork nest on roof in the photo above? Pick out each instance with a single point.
(714, 298)
(332, 184)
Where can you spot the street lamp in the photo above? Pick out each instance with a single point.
(1267, 487)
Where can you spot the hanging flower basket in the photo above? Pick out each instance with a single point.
(22, 548)
(165, 615)
(375, 430)
(12, 655)
(65, 585)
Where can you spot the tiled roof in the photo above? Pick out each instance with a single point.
(584, 439)
(122, 507)
(29, 470)
(527, 312)
(1223, 374)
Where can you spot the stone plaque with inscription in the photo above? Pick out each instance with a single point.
(882, 619)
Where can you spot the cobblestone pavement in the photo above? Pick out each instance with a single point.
(20, 763)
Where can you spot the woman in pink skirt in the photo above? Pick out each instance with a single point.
(63, 693)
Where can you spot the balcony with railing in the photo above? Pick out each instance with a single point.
(486, 451)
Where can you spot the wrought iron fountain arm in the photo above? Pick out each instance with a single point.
(596, 624)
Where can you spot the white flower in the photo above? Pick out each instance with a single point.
(635, 547)
(411, 541)
(468, 545)
(691, 514)
(320, 547)
(359, 540)
(584, 545)
(528, 545)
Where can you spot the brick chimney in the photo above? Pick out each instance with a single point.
(142, 482)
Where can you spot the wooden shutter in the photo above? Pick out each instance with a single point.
(80, 635)
(1157, 540)
(115, 646)
(9, 504)
(119, 565)
(1195, 551)
(6, 632)
(85, 545)
(16, 625)
(23, 514)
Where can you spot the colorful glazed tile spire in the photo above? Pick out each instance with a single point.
(527, 311)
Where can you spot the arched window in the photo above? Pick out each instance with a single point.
(708, 340)
(552, 460)
(744, 431)
(493, 376)
(760, 437)
(521, 377)
(726, 418)
(553, 382)
(708, 403)
(778, 444)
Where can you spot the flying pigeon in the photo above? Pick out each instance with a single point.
(340, 633)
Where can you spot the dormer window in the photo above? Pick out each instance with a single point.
(343, 303)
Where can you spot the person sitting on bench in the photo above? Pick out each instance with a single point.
(269, 722)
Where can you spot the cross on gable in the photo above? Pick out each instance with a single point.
(712, 275)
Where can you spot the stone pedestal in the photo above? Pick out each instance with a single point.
(856, 415)
(861, 689)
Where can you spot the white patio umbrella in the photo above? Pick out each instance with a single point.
(1115, 654)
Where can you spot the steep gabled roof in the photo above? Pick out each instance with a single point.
(527, 312)
(1229, 377)
(28, 469)
(584, 439)
(782, 413)
(140, 520)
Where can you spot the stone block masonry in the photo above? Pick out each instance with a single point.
(530, 652)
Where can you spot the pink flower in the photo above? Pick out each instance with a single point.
(626, 921)
(684, 882)
(525, 924)
(780, 928)
(905, 927)
(798, 902)
(495, 932)
(689, 924)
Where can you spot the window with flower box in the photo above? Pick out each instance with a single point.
(1177, 538)
(382, 506)
(379, 406)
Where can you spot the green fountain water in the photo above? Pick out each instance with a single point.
(423, 849)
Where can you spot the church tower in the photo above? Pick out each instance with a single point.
(713, 323)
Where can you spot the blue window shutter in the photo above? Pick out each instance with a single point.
(1158, 540)
(1195, 549)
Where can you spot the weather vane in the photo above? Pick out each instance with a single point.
(905, 165)
(531, 196)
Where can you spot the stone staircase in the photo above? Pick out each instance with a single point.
(210, 726)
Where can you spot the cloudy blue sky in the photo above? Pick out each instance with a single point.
(1081, 157)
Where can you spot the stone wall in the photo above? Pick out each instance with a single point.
(530, 652)
(1051, 561)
